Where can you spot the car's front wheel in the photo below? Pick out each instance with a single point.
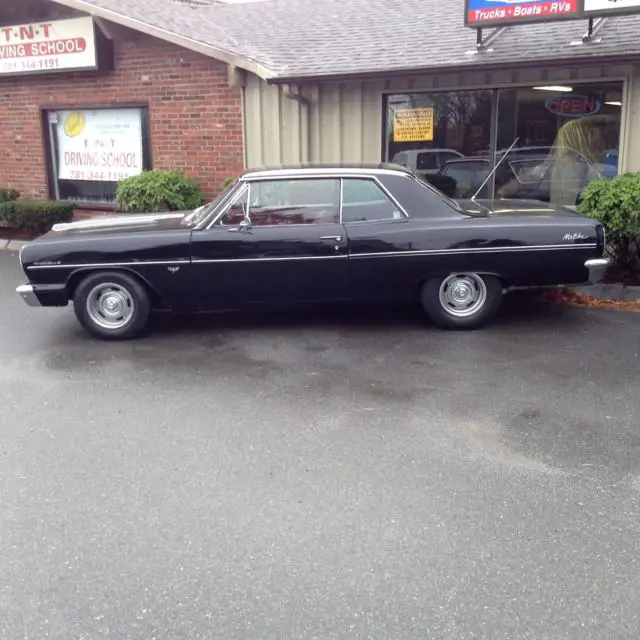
(112, 305)
(462, 300)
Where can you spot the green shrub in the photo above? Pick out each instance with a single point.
(153, 191)
(616, 203)
(35, 216)
(227, 181)
(7, 195)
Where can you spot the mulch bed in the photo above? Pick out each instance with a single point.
(12, 234)
(564, 296)
(622, 275)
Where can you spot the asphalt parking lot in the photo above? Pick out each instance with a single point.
(344, 475)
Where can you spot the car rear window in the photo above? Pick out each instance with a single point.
(427, 160)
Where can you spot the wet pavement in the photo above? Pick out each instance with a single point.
(334, 475)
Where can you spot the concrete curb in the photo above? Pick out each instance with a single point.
(615, 292)
(11, 245)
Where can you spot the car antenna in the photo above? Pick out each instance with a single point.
(491, 174)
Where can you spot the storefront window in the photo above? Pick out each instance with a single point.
(91, 150)
(566, 137)
(427, 130)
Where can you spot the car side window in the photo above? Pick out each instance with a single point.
(364, 201)
(294, 201)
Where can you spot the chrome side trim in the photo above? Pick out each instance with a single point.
(385, 254)
(401, 254)
(106, 265)
(276, 259)
(27, 293)
(422, 252)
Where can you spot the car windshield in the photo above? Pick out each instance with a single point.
(198, 215)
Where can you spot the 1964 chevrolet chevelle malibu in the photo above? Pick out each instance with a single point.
(311, 234)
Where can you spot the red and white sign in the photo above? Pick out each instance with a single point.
(48, 46)
(102, 145)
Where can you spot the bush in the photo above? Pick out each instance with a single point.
(154, 191)
(35, 216)
(8, 195)
(227, 181)
(616, 203)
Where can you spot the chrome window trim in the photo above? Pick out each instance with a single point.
(247, 184)
(106, 265)
(386, 193)
(332, 175)
(230, 199)
(272, 174)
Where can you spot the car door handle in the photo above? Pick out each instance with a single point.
(334, 238)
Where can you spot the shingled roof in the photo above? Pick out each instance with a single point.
(286, 40)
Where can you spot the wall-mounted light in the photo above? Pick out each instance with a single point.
(554, 87)
(614, 103)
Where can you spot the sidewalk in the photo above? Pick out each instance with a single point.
(11, 245)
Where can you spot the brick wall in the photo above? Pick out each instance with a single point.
(195, 117)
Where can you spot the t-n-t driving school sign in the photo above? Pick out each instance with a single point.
(480, 13)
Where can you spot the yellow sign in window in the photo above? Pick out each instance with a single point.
(413, 125)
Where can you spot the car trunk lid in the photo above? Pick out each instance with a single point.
(514, 207)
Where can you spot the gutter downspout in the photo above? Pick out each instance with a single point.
(290, 94)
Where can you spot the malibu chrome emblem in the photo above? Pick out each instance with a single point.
(574, 236)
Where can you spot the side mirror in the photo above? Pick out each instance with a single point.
(245, 226)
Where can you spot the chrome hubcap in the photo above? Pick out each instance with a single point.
(110, 306)
(463, 294)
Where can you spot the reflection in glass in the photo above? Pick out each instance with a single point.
(565, 140)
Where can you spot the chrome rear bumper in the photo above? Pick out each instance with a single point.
(597, 268)
(26, 292)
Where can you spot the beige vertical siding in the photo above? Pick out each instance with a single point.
(345, 120)
(631, 155)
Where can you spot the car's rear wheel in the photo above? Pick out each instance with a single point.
(112, 305)
(462, 300)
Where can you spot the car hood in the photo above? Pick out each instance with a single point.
(119, 223)
(514, 207)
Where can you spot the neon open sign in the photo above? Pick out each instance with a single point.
(573, 106)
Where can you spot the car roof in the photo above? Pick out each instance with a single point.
(320, 168)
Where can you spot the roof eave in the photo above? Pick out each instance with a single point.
(203, 48)
(479, 66)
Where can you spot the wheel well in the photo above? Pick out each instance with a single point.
(78, 276)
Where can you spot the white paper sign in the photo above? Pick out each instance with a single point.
(103, 145)
(48, 46)
(602, 6)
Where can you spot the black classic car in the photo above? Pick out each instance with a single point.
(311, 234)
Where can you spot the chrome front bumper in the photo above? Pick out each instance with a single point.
(597, 268)
(26, 292)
